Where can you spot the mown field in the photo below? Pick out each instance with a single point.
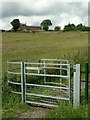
(30, 46)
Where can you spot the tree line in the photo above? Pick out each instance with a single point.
(72, 27)
(46, 23)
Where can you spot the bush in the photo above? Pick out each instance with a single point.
(57, 28)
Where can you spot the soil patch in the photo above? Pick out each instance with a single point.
(35, 112)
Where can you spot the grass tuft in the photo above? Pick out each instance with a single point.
(68, 111)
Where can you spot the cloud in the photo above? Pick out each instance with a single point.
(42, 8)
(26, 8)
(47, 0)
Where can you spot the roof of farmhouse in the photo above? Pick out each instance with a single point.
(29, 27)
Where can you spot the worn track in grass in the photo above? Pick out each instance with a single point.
(34, 112)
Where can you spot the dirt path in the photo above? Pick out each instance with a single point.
(35, 112)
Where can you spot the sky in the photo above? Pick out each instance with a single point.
(33, 12)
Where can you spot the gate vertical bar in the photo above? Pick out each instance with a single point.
(86, 82)
(76, 97)
(68, 73)
(60, 74)
(22, 82)
(25, 78)
(44, 73)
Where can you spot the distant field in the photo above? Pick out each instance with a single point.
(26, 46)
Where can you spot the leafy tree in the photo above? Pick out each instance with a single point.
(85, 28)
(69, 27)
(57, 28)
(45, 24)
(72, 26)
(16, 24)
(79, 26)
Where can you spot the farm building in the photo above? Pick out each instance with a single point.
(24, 27)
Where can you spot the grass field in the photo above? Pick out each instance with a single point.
(28, 46)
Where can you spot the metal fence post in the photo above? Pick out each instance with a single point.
(76, 95)
(22, 82)
(86, 82)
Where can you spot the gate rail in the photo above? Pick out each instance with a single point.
(27, 69)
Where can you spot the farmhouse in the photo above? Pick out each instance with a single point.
(24, 27)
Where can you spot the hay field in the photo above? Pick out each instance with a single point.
(27, 46)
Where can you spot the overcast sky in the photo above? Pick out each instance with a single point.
(33, 12)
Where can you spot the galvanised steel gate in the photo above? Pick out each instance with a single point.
(15, 77)
(43, 83)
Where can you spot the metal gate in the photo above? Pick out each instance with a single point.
(43, 83)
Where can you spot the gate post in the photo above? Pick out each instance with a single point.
(86, 82)
(22, 82)
(76, 94)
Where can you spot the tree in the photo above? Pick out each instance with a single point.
(85, 28)
(45, 24)
(16, 24)
(72, 26)
(69, 27)
(79, 26)
(57, 28)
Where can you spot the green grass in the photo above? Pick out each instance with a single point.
(12, 105)
(68, 111)
(28, 46)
